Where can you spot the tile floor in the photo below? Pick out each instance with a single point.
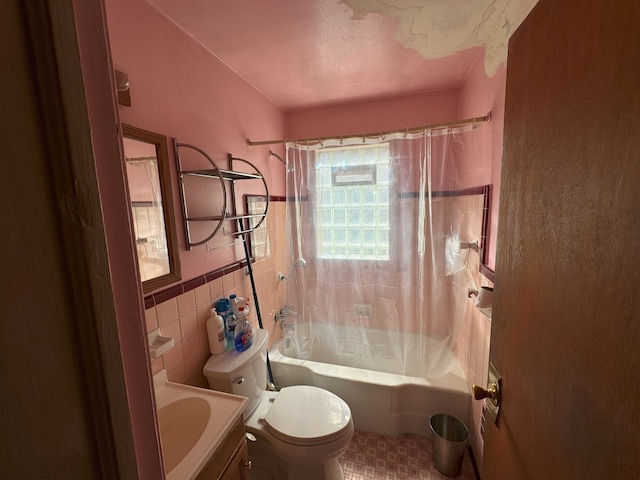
(377, 457)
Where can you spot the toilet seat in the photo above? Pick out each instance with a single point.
(306, 415)
(307, 428)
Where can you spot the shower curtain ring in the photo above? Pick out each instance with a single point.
(363, 138)
(406, 131)
(473, 124)
(320, 142)
(340, 141)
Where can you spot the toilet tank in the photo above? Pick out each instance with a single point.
(241, 373)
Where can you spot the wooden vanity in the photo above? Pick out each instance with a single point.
(231, 460)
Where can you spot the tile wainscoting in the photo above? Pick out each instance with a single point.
(181, 311)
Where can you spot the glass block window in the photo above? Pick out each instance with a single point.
(352, 188)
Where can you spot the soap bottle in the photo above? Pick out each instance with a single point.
(231, 324)
(215, 332)
(244, 333)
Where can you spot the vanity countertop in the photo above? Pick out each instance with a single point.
(193, 423)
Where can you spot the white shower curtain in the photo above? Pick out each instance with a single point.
(378, 280)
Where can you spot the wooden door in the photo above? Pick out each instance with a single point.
(566, 315)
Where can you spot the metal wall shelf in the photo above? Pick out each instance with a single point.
(224, 174)
(241, 222)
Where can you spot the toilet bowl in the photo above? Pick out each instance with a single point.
(309, 428)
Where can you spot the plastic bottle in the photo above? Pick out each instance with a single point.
(231, 323)
(246, 307)
(223, 307)
(236, 302)
(232, 301)
(215, 332)
(244, 333)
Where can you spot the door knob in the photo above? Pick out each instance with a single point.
(492, 392)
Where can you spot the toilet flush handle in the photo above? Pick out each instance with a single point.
(238, 380)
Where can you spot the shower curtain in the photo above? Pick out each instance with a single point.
(378, 277)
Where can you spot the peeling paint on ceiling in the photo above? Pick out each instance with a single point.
(439, 28)
(309, 53)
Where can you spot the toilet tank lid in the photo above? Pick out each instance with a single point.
(229, 363)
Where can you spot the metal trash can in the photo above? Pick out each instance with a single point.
(450, 437)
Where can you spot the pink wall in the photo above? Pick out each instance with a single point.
(479, 95)
(181, 90)
(127, 293)
(467, 160)
(374, 115)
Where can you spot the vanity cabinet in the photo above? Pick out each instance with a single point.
(239, 466)
(230, 461)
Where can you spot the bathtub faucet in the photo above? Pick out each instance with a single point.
(284, 313)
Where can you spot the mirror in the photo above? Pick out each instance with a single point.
(149, 183)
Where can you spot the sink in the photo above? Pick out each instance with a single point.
(181, 423)
(190, 432)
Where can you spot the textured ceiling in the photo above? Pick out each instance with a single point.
(305, 53)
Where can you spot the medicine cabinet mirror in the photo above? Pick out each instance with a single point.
(149, 183)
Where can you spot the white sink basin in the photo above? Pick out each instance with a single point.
(181, 426)
(189, 432)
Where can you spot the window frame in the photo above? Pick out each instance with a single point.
(316, 227)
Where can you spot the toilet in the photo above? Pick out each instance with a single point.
(307, 427)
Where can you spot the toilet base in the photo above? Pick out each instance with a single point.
(268, 465)
(265, 465)
(331, 470)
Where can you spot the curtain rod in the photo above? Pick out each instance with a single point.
(433, 126)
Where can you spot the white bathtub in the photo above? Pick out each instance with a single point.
(381, 402)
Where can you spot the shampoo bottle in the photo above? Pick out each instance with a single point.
(215, 332)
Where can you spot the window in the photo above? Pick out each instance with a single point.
(353, 191)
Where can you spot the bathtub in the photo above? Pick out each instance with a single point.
(381, 402)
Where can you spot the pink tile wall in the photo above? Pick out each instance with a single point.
(184, 317)
(472, 348)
